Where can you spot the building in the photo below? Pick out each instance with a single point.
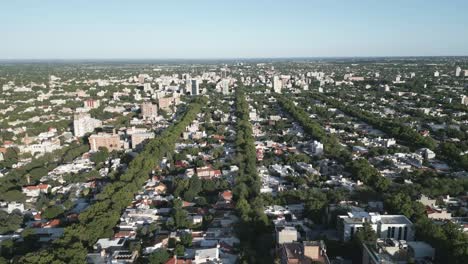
(35, 190)
(223, 86)
(426, 153)
(166, 103)
(286, 234)
(316, 148)
(91, 104)
(194, 87)
(83, 123)
(436, 74)
(206, 255)
(390, 251)
(307, 252)
(139, 138)
(149, 110)
(147, 87)
(386, 226)
(207, 173)
(109, 244)
(458, 71)
(105, 140)
(277, 84)
(464, 100)
(45, 146)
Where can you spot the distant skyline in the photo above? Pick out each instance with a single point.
(207, 29)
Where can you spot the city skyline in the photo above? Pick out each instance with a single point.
(209, 30)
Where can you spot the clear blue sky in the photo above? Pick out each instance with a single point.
(38, 29)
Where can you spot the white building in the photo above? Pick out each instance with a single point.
(464, 100)
(207, 255)
(46, 146)
(316, 148)
(458, 71)
(386, 226)
(286, 234)
(277, 84)
(224, 86)
(83, 123)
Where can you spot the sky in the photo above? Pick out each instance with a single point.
(208, 29)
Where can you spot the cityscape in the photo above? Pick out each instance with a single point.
(169, 159)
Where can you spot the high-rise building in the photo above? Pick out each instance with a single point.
(464, 100)
(149, 110)
(458, 71)
(194, 87)
(224, 86)
(277, 84)
(83, 123)
(147, 87)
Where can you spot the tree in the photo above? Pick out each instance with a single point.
(366, 234)
(400, 203)
(10, 222)
(13, 196)
(179, 250)
(53, 211)
(186, 239)
(179, 215)
(159, 256)
(101, 156)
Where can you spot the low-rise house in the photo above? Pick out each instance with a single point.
(207, 173)
(35, 190)
(389, 251)
(109, 245)
(307, 252)
(206, 255)
(286, 234)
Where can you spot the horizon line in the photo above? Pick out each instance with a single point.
(230, 58)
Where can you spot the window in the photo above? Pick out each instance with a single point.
(405, 235)
(399, 232)
(352, 232)
(388, 232)
(393, 232)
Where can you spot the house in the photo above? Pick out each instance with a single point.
(206, 255)
(35, 190)
(397, 251)
(160, 189)
(15, 206)
(307, 252)
(438, 213)
(207, 173)
(195, 219)
(316, 148)
(48, 234)
(286, 234)
(226, 196)
(109, 244)
(175, 260)
(124, 257)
